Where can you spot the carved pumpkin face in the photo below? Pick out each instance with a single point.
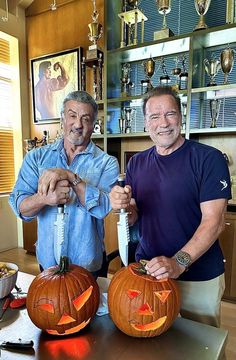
(63, 303)
(141, 305)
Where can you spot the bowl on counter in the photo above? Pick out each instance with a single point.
(8, 276)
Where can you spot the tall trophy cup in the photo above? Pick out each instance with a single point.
(125, 79)
(164, 7)
(164, 78)
(212, 67)
(95, 33)
(215, 110)
(201, 7)
(183, 77)
(227, 62)
(149, 70)
(176, 71)
(128, 116)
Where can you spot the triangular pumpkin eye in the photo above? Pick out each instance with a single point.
(133, 293)
(145, 309)
(65, 319)
(45, 306)
(162, 295)
(82, 298)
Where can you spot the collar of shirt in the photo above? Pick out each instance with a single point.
(59, 146)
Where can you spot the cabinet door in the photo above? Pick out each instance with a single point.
(30, 235)
(226, 242)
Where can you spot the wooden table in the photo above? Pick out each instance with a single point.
(185, 340)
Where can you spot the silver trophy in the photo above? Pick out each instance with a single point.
(176, 71)
(128, 116)
(201, 7)
(212, 67)
(164, 78)
(183, 77)
(227, 62)
(125, 79)
(215, 110)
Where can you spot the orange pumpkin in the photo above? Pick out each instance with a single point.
(63, 299)
(139, 304)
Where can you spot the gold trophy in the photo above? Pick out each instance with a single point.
(94, 35)
(131, 18)
(201, 7)
(227, 62)
(149, 70)
(164, 7)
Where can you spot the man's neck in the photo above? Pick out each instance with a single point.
(72, 150)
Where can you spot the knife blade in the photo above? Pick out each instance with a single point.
(123, 229)
(59, 234)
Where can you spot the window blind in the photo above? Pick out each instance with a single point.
(7, 171)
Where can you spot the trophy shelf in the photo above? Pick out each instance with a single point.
(218, 91)
(134, 97)
(215, 36)
(219, 130)
(156, 48)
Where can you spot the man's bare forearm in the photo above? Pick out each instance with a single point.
(31, 205)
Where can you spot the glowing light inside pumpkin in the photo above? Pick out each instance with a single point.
(82, 299)
(133, 293)
(162, 295)
(145, 309)
(150, 326)
(46, 307)
(71, 330)
(65, 319)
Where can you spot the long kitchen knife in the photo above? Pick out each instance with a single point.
(59, 234)
(123, 229)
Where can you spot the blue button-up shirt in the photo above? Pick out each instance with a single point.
(84, 227)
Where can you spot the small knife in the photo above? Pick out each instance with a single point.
(123, 229)
(17, 344)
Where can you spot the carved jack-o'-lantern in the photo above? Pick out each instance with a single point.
(62, 299)
(141, 305)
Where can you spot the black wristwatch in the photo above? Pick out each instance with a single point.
(76, 181)
(183, 258)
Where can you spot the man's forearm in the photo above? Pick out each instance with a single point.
(31, 205)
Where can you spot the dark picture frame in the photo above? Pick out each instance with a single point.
(51, 83)
(127, 156)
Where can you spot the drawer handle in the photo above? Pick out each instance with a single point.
(228, 223)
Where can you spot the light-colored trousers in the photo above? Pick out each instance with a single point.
(201, 300)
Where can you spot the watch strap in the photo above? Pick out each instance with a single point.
(76, 180)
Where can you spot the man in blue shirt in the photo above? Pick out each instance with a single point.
(178, 191)
(74, 172)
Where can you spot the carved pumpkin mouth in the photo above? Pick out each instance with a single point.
(71, 330)
(149, 326)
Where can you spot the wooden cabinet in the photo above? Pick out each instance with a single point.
(228, 245)
(30, 236)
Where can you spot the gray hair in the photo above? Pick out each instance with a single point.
(81, 97)
(159, 91)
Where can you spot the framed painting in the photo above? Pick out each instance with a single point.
(53, 77)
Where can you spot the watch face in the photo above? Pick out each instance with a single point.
(183, 258)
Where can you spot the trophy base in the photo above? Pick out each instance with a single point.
(163, 34)
(93, 53)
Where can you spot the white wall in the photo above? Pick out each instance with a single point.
(10, 227)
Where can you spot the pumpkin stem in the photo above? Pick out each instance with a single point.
(64, 265)
(141, 269)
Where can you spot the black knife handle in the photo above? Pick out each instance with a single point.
(17, 344)
(121, 180)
